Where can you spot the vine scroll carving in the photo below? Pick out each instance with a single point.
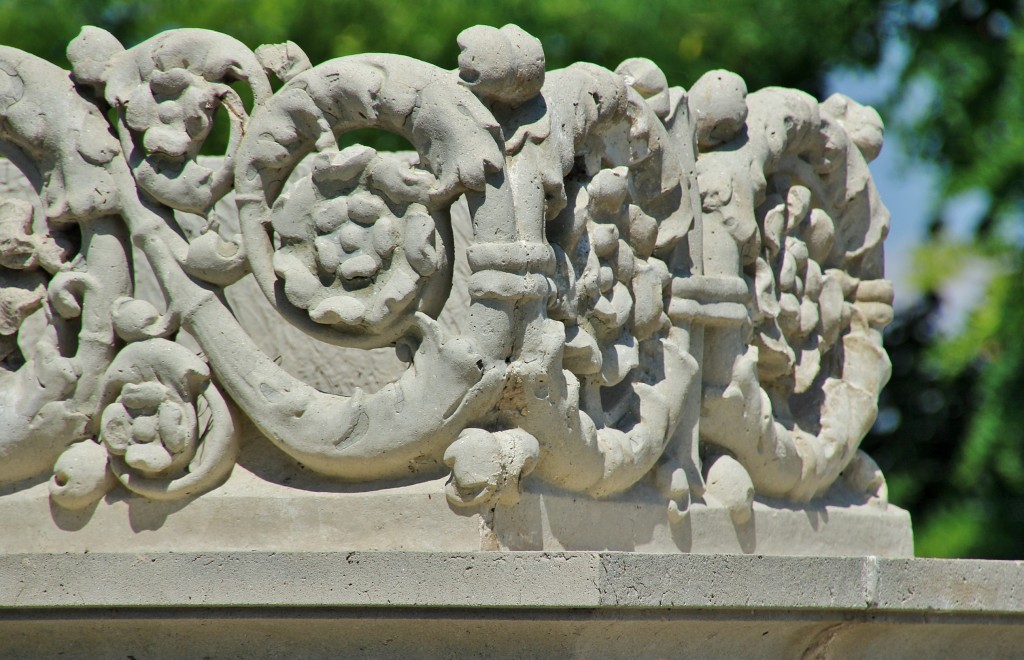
(682, 286)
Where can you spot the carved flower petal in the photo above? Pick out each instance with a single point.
(116, 429)
(167, 140)
(150, 459)
(365, 208)
(330, 214)
(328, 253)
(143, 398)
(338, 309)
(419, 244)
(144, 428)
(385, 237)
(361, 266)
(300, 285)
(140, 109)
(176, 428)
(171, 83)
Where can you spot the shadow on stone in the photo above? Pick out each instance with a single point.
(682, 534)
(147, 515)
(746, 534)
(72, 520)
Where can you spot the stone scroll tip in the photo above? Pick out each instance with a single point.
(501, 64)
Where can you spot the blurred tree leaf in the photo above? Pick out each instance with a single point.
(774, 42)
(950, 435)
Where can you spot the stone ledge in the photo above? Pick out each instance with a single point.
(510, 579)
(505, 604)
(251, 514)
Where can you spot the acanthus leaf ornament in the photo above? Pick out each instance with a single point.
(682, 286)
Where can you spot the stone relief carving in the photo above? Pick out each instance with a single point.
(679, 286)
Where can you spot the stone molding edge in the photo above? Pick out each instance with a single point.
(47, 584)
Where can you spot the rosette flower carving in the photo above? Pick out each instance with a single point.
(166, 427)
(151, 427)
(359, 248)
(167, 90)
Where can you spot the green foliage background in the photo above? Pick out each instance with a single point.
(951, 433)
(778, 42)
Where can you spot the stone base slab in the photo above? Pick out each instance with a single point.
(505, 604)
(253, 513)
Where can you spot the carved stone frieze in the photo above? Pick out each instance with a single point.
(651, 284)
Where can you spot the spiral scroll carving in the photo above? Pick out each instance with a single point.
(681, 285)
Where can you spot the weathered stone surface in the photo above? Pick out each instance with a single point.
(249, 512)
(501, 604)
(584, 290)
